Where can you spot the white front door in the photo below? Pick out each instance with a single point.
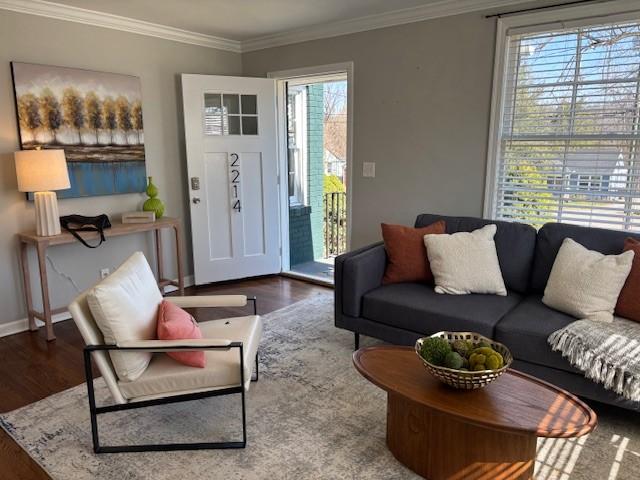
(230, 131)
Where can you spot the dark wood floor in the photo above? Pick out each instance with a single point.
(32, 369)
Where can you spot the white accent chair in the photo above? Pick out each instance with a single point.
(230, 345)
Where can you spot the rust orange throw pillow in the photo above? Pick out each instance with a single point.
(176, 324)
(406, 254)
(629, 300)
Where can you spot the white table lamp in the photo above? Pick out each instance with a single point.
(42, 172)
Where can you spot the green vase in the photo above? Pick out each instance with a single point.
(153, 204)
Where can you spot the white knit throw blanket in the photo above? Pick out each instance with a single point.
(607, 353)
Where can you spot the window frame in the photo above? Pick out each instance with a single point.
(536, 22)
(299, 196)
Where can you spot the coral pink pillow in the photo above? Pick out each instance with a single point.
(176, 324)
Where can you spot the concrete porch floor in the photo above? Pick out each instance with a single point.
(321, 269)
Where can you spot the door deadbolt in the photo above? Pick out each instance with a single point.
(196, 200)
(195, 183)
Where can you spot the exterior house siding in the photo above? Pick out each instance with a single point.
(315, 145)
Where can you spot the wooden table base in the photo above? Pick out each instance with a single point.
(437, 446)
(117, 229)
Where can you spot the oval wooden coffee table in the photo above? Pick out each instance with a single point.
(443, 433)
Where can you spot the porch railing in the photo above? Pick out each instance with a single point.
(335, 223)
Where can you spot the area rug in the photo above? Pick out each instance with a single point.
(311, 416)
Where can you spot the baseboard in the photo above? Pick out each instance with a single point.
(22, 324)
(188, 282)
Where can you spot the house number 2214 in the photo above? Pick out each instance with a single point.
(234, 175)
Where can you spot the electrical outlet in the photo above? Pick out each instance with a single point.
(104, 273)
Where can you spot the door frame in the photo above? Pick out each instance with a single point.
(299, 74)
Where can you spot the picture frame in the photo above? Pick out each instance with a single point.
(95, 117)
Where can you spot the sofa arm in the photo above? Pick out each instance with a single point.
(357, 273)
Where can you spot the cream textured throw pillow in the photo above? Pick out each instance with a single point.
(585, 283)
(465, 262)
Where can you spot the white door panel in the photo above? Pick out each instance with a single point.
(218, 204)
(230, 131)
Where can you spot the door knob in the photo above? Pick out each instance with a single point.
(196, 200)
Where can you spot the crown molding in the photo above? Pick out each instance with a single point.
(116, 22)
(438, 9)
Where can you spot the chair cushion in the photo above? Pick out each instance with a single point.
(406, 254)
(465, 262)
(551, 236)
(417, 308)
(515, 245)
(166, 377)
(124, 306)
(175, 323)
(526, 328)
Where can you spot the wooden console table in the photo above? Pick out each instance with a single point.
(117, 229)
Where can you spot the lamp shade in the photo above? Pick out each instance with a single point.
(41, 170)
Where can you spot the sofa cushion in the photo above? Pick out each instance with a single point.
(551, 236)
(125, 307)
(416, 307)
(628, 305)
(525, 329)
(406, 254)
(465, 262)
(515, 245)
(585, 283)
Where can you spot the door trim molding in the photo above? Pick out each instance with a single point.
(281, 77)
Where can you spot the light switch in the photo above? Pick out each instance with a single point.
(368, 169)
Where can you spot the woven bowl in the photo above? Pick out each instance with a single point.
(460, 378)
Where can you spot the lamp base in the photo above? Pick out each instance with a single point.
(47, 216)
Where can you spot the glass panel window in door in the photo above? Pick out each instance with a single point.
(233, 125)
(231, 103)
(249, 125)
(212, 114)
(249, 105)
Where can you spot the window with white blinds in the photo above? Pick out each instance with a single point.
(568, 147)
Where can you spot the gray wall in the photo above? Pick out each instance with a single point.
(422, 96)
(158, 63)
(421, 113)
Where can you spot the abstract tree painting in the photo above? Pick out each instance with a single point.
(95, 117)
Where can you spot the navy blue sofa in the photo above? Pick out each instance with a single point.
(401, 313)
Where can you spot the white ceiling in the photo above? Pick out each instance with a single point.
(247, 19)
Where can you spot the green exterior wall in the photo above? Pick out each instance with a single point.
(300, 237)
(315, 169)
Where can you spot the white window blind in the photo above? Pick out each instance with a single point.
(569, 139)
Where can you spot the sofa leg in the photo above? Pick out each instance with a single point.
(356, 341)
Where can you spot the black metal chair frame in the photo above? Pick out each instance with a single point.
(95, 410)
